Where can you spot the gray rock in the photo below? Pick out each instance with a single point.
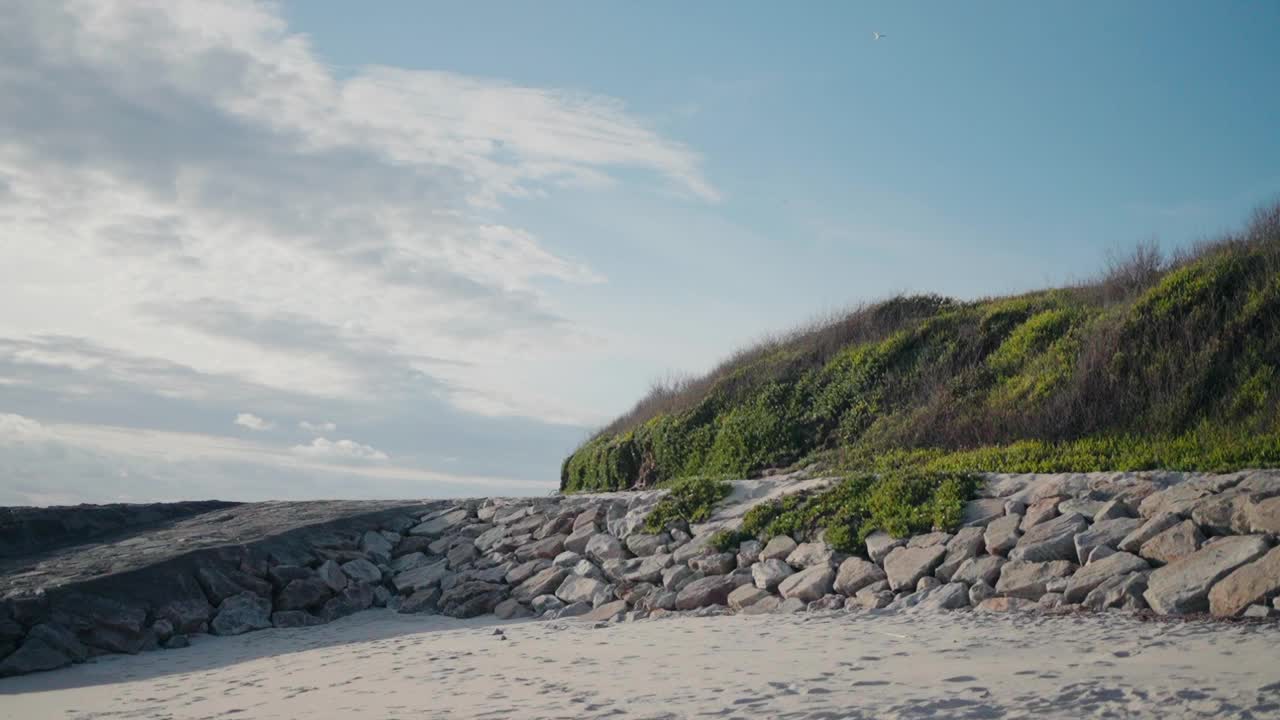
(421, 578)
(1122, 591)
(853, 575)
(662, 600)
(294, 619)
(566, 559)
(645, 569)
(219, 585)
(586, 568)
(982, 511)
(440, 524)
(951, 596)
(376, 546)
(189, 615)
(985, 569)
(676, 577)
(810, 554)
(719, 564)
(510, 609)
(1183, 586)
(778, 548)
(242, 613)
(612, 611)
(1134, 541)
(303, 594)
(545, 603)
(1040, 511)
(880, 544)
(363, 571)
(471, 599)
(603, 547)
(705, 591)
(525, 570)
(869, 599)
(1249, 584)
(577, 609)
(928, 582)
(36, 654)
(791, 605)
(1050, 540)
(1081, 506)
(749, 552)
(1106, 532)
(578, 539)
(1258, 611)
(905, 566)
(1263, 516)
(353, 598)
(1091, 576)
(980, 591)
(1224, 514)
(967, 543)
(459, 556)
(282, 575)
(1015, 507)
(546, 548)
(643, 545)
(767, 574)
(928, 539)
(422, 601)
(698, 547)
(176, 642)
(592, 517)
(746, 595)
(1002, 534)
(811, 583)
(1019, 578)
(1112, 510)
(1050, 601)
(1173, 543)
(576, 588)
(331, 573)
(1098, 553)
(544, 582)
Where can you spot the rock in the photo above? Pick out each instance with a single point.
(412, 545)
(966, 543)
(336, 580)
(421, 578)
(382, 596)
(791, 605)
(705, 591)
(1058, 584)
(1005, 604)
(242, 613)
(811, 583)
(439, 525)
(490, 538)
(459, 556)
(1040, 511)
(1258, 611)
(749, 552)
(1050, 601)
(905, 566)
(720, 564)
(566, 559)
(1225, 514)
(219, 585)
(746, 595)
(980, 591)
(1098, 553)
(561, 524)
(1107, 532)
(929, 539)
(578, 539)
(853, 575)
(1086, 507)
(586, 568)
(1255, 582)
(810, 554)
(547, 548)
(303, 594)
(767, 574)
(880, 544)
(577, 609)
(928, 582)
(1002, 534)
(676, 577)
(525, 570)
(176, 642)
(1050, 540)
(545, 582)
(401, 564)
(1027, 580)
(421, 601)
(1263, 516)
(186, 616)
(1015, 507)
(576, 588)
(778, 548)
(663, 600)
(1113, 510)
(376, 546)
(646, 569)
(363, 571)
(1119, 592)
(592, 517)
(294, 618)
(1134, 541)
(46, 647)
(1173, 543)
(1091, 576)
(982, 511)
(282, 575)
(643, 545)
(603, 547)
(163, 629)
(1183, 585)
(873, 599)
(607, 612)
(545, 603)
(951, 596)
(353, 598)
(826, 602)
(511, 609)
(695, 548)
(471, 599)
(985, 569)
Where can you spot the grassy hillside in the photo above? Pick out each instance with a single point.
(1159, 363)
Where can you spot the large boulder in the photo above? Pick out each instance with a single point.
(745, 596)
(1050, 540)
(645, 569)
(242, 613)
(768, 573)
(1147, 530)
(441, 524)
(1094, 574)
(525, 570)
(905, 566)
(604, 546)
(353, 598)
(1173, 543)
(853, 575)
(421, 578)
(1002, 534)
(1106, 533)
(578, 539)
(303, 594)
(1263, 516)
(376, 546)
(46, 647)
(546, 548)
(778, 548)
(880, 544)
(545, 582)
(471, 599)
(809, 584)
(1119, 591)
(951, 596)
(1256, 582)
(985, 569)
(362, 571)
(706, 591)
(1040, 511)
(187, 615)
(577, 588)
(810, 554)
(1183, 586)
(104, 623)
(982, 511)
(1028, 580)
(221, 584)
(644, 545)
(966, 544)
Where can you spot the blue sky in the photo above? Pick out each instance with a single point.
(305, 249)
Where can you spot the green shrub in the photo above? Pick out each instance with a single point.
(690, 499)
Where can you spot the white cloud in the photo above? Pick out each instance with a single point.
(253, 422)
(339, 450)
(317, 428)
(250, 213)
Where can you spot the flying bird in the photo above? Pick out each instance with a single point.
(879, 35)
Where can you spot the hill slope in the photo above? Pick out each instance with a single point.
(1158, 364)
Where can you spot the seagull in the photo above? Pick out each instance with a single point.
(879, 35)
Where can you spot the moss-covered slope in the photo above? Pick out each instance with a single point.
(1158, 364)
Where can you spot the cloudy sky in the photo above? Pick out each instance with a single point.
(307, 249)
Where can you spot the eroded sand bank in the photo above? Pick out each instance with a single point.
(842, 665)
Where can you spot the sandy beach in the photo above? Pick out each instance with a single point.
(840, 665)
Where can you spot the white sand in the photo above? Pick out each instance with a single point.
(381, 665)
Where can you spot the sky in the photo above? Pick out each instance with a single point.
(311, 249)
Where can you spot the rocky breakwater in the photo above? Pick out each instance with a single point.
(1169, 542)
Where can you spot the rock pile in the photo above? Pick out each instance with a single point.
(1164, 541)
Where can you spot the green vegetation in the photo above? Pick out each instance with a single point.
(1158, 364)
(690, 500)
